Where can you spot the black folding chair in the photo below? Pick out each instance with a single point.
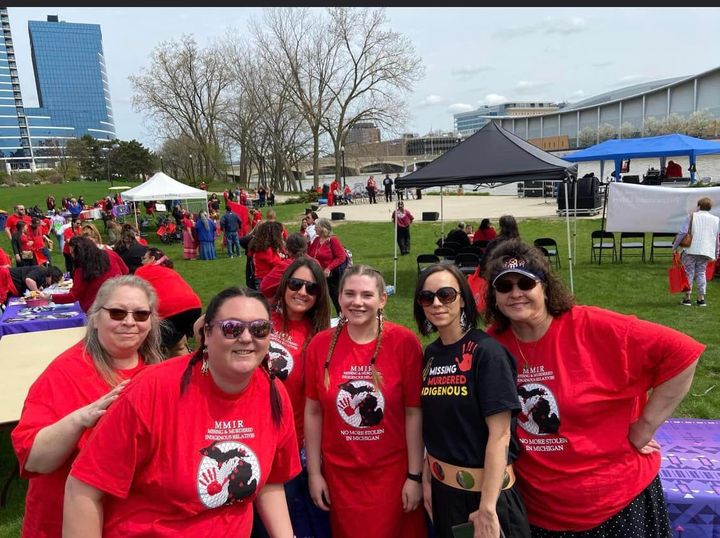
(632, 241)
(467, 262)
(551, 247)
(602, 241)
(426, 260)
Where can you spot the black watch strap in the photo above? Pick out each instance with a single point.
(415, 477)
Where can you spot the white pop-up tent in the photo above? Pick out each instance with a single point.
(162, 187)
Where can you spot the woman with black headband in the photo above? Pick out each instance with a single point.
(362, 416)
(589, 464)
(469, 402)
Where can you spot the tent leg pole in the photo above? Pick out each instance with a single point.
(395, 258)
(567, 226)
(442, 218)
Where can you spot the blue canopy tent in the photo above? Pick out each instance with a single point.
(652, 146)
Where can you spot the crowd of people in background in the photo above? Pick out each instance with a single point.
(345, 430)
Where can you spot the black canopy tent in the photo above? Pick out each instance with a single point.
(490, 156)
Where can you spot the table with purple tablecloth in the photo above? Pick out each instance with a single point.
(690, 474)
(19, 318)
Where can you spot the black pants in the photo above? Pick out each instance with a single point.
(403, 239)
(452, 506)
(388, 195)
(68, 263)
(371, 196)
(333, 282)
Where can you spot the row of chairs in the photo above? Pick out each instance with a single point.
(632, 241)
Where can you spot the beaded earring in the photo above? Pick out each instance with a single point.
(205, 368)
(463, 321)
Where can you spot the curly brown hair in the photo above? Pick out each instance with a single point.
(559, 299)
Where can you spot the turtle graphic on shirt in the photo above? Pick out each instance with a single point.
(360, 404)
(539, 414)
(228, 472)
(280, 360)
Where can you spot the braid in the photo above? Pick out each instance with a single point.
(275, 402)
(334, 340)
(376, 375)
(187, 373)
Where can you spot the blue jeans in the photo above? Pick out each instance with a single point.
(232, 243)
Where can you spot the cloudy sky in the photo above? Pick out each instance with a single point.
(473, 56)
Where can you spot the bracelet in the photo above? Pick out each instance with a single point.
(415, 477)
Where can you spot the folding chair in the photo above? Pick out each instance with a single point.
(467, 262)
(629, 241)
(661, 241)
(426, 260)
(602, 241)
(452, 245)
(446, 253)
(551, 247)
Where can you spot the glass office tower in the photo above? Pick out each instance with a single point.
(71, 79)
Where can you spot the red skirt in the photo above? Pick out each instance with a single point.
(368, 502)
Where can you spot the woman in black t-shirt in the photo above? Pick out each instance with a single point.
(469, 400)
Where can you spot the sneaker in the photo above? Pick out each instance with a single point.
(686, 302)
(701, 303)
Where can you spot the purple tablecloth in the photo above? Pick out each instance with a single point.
(41, 319)
(690, 474)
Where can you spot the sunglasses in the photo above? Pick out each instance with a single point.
(524, 283)
(446, 295)
(311, 288)
(232, 328)
(118, 314)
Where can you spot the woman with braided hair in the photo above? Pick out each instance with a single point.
(362, 413)
(191, 446)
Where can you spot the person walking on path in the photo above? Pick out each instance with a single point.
(230, 224)
(403, 218)
(703, 227)
(388, 184)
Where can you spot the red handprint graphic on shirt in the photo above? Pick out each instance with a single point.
(208, 478)
(467, 350)
(347, 407)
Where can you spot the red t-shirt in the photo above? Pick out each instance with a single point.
(271, 281)
(68, 234)
(264, 261)
(13, 219)
(486, 234)
(187, 465)
(69, 382)
(329, 254)
(174, 294)
(288, 363)
(585, 382)
(364, 426)
(85, 291)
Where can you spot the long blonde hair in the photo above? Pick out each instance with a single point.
(359, 270)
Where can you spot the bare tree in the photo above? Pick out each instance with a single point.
(376, 67)
(182, 91)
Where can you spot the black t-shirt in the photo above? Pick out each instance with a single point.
(133, 256)
(458, 236)
(462, 384)
(19, 274)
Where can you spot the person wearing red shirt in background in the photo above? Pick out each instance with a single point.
(673, 169)
(271, 216)
(12, 220)
(302, 309)
(190, 243)
(74, 230)
(178, 304)
(334, 192)
(296, 246)
(39, 245)
(194, 442)
(93, 266)
(594, 386)
(363, 425)
(65, 402)
(403, 219)
(266, 249)
(4, 258)
(485, 232)
(327, 249)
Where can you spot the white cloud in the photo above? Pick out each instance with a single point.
(577, 95)
(469, 71)
(526, 86)
(456, 108)
(492, 99)
(548, 26)
(432, 100)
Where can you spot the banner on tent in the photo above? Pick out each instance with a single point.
(641, 208)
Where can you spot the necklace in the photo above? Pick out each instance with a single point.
(526, 364)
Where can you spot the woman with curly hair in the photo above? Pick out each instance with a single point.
(363, 425)
(92, 267)
(594, 386)
(266, 248)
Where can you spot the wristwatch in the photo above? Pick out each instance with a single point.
(415, 477)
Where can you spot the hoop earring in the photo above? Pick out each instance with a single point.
(428, 327)
(463, 321)
(205, 368)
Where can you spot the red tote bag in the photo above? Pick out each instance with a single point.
(677, 278)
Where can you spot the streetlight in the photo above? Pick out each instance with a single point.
(108, 150)
(342, 152)
(192, 170)
(162, 169)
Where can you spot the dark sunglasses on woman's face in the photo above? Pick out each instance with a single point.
(446, 295)
(505, 285)
(311, 288)
(118, 314)
(232, 328)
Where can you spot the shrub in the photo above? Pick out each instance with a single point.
(25, 178)
(55, 178)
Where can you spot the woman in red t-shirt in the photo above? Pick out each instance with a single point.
(71, 231)
(327, 249)
(178, 304)
(589, 464)
(74, 391)
(194, 442)
(266, 249)
(485, 232)
(362, 416)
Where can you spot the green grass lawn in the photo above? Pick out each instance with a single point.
(632, 287)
